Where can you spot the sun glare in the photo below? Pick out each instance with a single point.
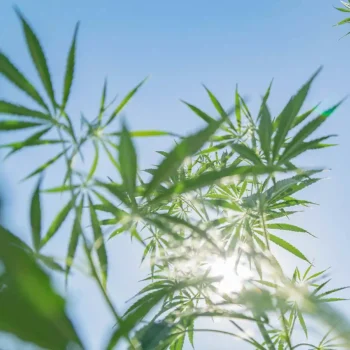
(232, 281)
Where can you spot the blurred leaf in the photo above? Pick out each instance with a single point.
(58, 221)
(265, 131)
(8, 69)
(124, 102)
(13, 109)
(147, 133)
(94, 163)
(74, 238)
(35, 216)
(128, 162)
(200, 113)
(41, 168)
(187, 147)
(38, 57)
(30, 308)
(210, 177)
(70, 66)
(10, 125)
(246, 153)
(287, 246)
(99, 242)
(134, 317)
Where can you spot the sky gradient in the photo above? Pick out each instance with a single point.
(180, 45)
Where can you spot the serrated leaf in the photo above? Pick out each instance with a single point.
(38, 57)
(285, 120)
(287, 246)
(306, 131)
(8, 69)
(70, 65)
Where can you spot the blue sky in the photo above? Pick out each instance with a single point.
(182, 44)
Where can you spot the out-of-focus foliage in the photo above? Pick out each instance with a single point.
(346, 9)
(210, 217)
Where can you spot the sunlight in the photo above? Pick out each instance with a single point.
(232, 280)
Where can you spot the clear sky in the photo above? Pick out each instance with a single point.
(182, 44)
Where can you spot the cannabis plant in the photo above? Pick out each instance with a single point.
(209, 217)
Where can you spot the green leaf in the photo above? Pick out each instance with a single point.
(187, 147)
(287, 117)
(68, 79)
(94, 163)
(238, 109)
(346, 20)
(223, 114)
(299, 119)
(74, 238)
(128, 162)
(147, 133)
(286, 227)
(287, 246)
(124, 102)
(133, 318)
(99, 242)
(31, 310)
(247, 153)
(8, 70)
(41, 168)
(302, 321)
(103, 101)
(306, 131)
(58, 221)
(38, 57)
(13, 109)
(10, 125)
(200, 113)
(265, 130)
(210, 177)
(35, 216)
